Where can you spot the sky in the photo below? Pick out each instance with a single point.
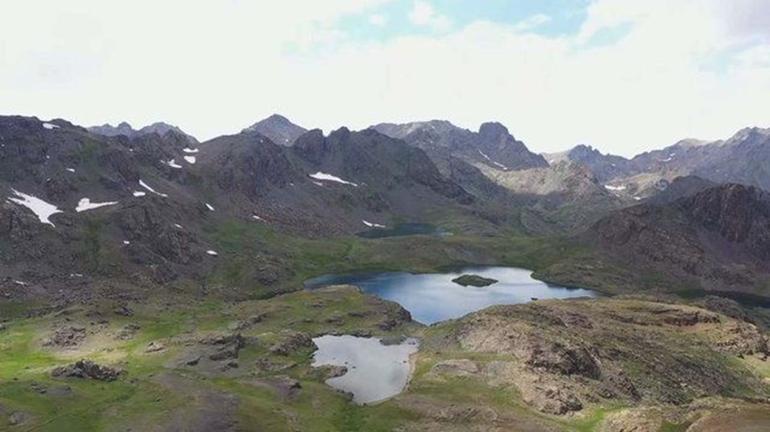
(622, 75)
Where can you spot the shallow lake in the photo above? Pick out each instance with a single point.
(375, 371)
(404, 229)
(434, 297)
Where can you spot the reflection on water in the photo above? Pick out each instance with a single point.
(375, 371)
(434, 297)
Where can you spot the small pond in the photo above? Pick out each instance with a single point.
(434, 297)
(375, 371)
(404, 229)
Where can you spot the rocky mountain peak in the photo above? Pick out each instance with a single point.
(583, 151)
(749, 132)
(123, 128)
(420, 129)
(278, 129)
(493, 130)
(162, 129)
(277, 118)
(340, 133)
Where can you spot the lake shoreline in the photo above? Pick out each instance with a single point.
(434, 297)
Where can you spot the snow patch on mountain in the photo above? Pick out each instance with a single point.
(172, 163)
(498, 164)
(146, 186)
(372, 224)
(615, 188)
(86, 204)
(329, 177)
(42, 209)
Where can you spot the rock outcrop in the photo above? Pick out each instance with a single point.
(568, 355)
(87, 369)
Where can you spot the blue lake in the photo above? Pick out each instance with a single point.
(434, 297)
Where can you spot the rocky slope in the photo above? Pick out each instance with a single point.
(680, 187)
(744, 158)
(491, 163)
(156, 207)
(604, 166)
(492, 145)
(564, 196)
(565, 357)
(717, 239)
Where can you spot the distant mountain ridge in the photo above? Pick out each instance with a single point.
(743, 158)
(125, 129)
(604, 166)
(492, 145)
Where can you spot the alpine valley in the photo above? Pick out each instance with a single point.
(403, 277)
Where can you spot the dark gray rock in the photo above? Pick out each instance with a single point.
(87, 369)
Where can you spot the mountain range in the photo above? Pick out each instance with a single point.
(115, 200)
(149, 281)
(742, 158)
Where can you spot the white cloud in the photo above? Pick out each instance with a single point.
(378, 20)
(423, 14)
(756, 57)
(531, 22)
(683, 69)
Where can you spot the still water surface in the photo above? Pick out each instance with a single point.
(375, 371)
(434, 297)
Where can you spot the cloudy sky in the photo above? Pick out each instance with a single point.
(622, 75)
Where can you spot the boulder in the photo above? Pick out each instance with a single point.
(226, 347)
(290, 342)
(154, 347)
(87, 369)
(17, 418)
(66, 337)
(553, 400)
(285, 386)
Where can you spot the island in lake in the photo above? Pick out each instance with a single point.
(474, 280)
